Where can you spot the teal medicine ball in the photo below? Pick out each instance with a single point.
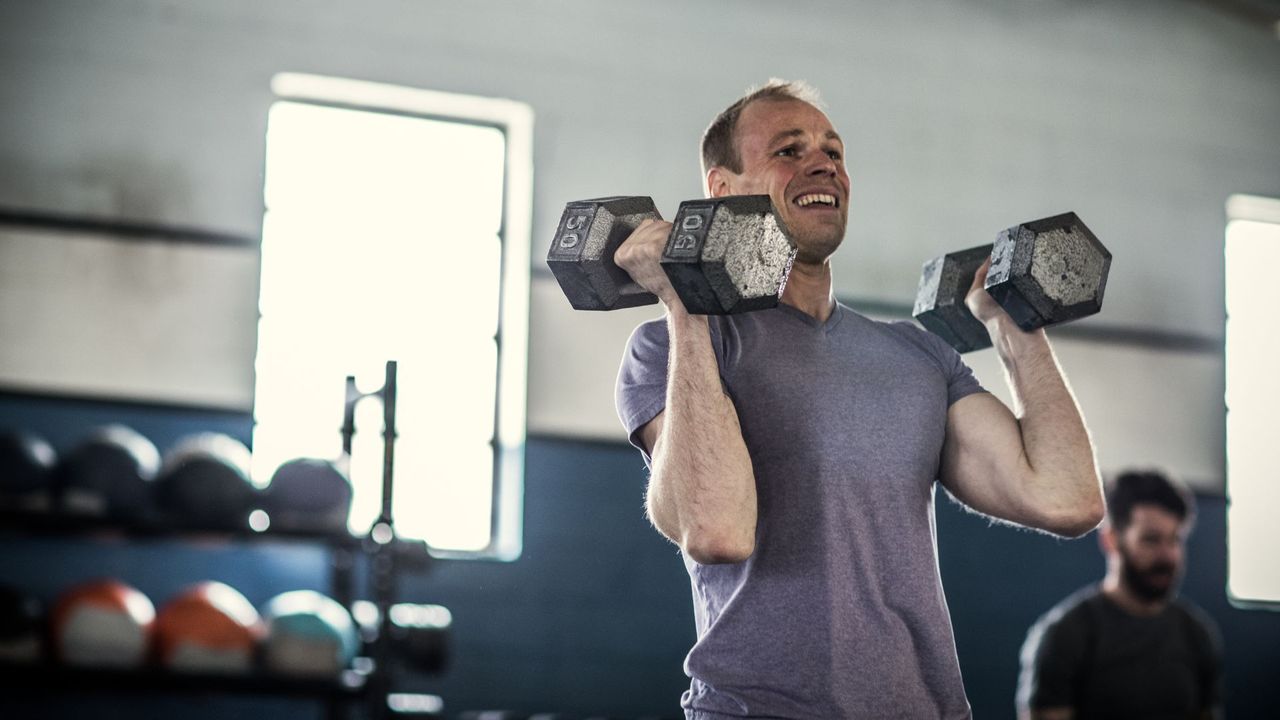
(308, 635)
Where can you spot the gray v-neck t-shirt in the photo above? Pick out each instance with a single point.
(839, 612)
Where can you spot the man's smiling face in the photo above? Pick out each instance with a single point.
(790, 152)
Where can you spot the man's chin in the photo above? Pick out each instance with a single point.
(816, 248)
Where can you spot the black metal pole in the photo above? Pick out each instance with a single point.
(353, 396)
(389, 439)
(384, 551)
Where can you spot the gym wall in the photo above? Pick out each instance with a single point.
(961, 119)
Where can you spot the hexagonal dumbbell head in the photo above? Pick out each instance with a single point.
(1048, 271)
(728, 255)
(940, 308)
(581, 254)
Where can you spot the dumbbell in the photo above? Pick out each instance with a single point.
(724, 255)
(1043, 272)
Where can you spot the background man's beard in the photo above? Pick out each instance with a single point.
(1152, 584)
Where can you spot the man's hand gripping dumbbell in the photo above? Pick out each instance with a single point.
(722, 255)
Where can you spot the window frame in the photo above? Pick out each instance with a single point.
(1254, 209)
(515, 121)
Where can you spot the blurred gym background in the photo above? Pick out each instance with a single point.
(213, 213)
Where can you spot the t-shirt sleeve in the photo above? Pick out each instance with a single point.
(1051, 661)
(641, 391)
(960, 378)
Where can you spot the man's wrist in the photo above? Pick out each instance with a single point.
(1006, 334)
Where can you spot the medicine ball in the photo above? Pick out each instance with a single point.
(204, 483)
(21, 626)
(208, 628)
(26, 465)
(308, 494)
(109, 474)
(102, 623)
(308, 635)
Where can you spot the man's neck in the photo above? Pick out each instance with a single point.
(1126, 600)
(809, 290)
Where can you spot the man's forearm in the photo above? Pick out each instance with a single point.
(1063, 487)
(702, 490)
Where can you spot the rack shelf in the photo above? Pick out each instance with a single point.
(46, 678)
(33, 524)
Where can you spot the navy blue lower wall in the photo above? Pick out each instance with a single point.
(595, 616)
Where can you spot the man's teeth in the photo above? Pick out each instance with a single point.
(816, 198)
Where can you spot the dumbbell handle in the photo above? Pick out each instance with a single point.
(632, 295)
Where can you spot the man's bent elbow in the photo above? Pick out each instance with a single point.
(707, 548)
(1078, 520)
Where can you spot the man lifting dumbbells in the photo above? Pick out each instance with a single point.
(793, 452)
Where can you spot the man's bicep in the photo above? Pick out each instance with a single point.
(1055, 713)
(983, 459)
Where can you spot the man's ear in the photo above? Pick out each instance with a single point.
(718, 180)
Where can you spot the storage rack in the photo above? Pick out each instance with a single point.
(360, 691)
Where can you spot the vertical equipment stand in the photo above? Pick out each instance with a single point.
(379, 542)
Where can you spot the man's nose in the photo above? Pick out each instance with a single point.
(822, 164)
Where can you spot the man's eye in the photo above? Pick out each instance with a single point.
(786, 152)
(834, 154)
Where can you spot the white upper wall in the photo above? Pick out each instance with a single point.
(961, 118)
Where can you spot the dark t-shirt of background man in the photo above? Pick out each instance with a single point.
(1088, 654)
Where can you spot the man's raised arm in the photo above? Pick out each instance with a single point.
(702, 490)
(1036, 469)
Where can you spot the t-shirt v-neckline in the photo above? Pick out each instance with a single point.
(837, 312)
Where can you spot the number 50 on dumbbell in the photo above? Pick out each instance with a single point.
(724, 255)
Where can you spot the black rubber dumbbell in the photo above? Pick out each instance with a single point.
(1043, 272)
(724, 255)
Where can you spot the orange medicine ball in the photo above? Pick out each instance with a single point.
(208, 628)
(102, 623)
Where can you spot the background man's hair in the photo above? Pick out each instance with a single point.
(719, 148)
(1149, 487)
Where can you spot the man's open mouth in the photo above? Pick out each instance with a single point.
(821, 199)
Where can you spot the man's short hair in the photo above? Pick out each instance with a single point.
(1146, 487)
(719, 146)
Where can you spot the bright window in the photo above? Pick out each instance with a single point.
(396, 228)
(1252, 395)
